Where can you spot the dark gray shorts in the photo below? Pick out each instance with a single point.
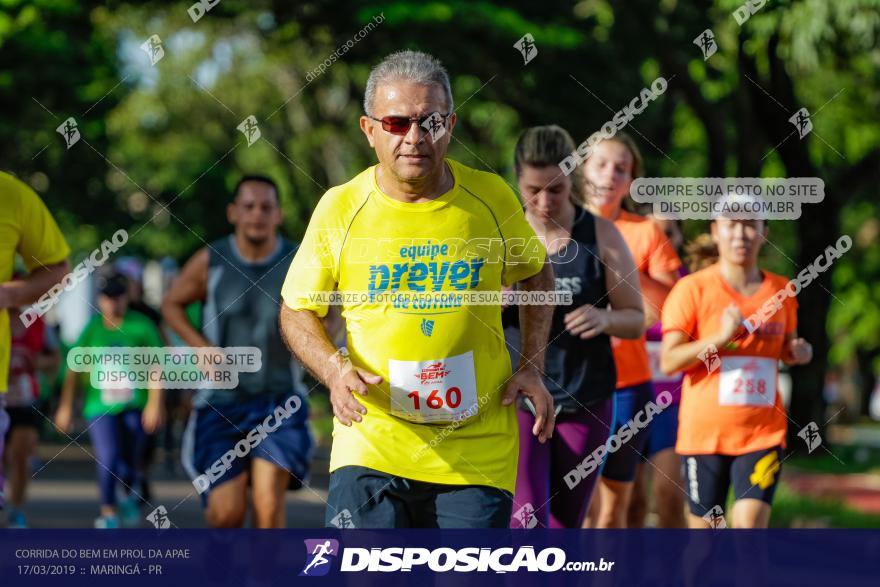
(360, 497)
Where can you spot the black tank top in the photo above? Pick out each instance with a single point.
(241, 309)
(578, 373)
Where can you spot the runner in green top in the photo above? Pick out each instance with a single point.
(118, 418)
(134, 330)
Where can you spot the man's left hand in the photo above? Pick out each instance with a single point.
(528, 382)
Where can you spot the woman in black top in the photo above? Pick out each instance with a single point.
(591, 261)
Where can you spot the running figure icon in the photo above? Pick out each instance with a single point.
(319, 553)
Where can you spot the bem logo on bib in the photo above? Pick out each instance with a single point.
(433, 373)
(750, 367)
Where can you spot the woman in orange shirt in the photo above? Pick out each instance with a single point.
(609, 171)
(732, 423)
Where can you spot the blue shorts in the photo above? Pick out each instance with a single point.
(620, 465)
(257, 427)
(664, 429)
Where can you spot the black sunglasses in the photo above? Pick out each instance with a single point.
(400, 125)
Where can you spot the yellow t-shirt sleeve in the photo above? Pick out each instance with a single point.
(313, 272)
(41, 240)
(524, 252)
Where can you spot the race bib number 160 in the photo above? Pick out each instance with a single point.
(439, 390)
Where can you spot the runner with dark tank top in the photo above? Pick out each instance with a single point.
(238, 312)
(591, 261)
(580, 372)
(238, 278)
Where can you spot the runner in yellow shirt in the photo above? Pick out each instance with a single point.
(26, 228)
(429, 437)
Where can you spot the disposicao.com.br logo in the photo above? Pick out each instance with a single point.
(441, 560)
(319, 555)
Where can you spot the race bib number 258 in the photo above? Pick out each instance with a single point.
(747, 381)
(439, 390)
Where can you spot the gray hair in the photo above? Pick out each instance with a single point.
(412, 66)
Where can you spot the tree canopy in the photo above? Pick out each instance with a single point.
(160, 149)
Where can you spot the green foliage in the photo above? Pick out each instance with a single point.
(793, 510)
(161, 151)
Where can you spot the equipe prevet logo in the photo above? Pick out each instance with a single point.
(319, 556)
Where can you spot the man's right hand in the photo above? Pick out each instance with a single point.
(345, 407)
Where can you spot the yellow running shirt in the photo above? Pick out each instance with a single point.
(27, 228)
(437, 415)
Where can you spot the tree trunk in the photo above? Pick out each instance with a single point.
(867, 378)
(817, 228)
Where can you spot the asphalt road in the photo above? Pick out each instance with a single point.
(63, 492)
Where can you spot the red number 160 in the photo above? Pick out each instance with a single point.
(435, 402)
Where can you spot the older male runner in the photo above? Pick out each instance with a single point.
(425, 433)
